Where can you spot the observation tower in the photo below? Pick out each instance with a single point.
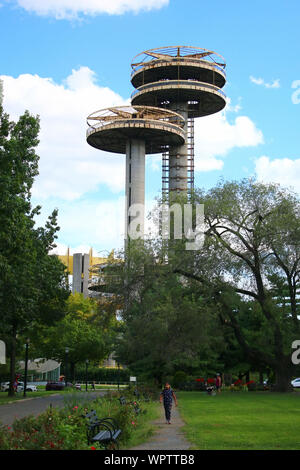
(135, 131)
(189, 81)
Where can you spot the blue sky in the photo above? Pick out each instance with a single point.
(64, 59)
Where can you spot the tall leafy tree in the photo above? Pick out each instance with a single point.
(32, 287)
(167, 324)
(252, 252)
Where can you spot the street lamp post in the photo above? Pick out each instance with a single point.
(86, 376)
(118, 376)
(66, 365)
(26, 367)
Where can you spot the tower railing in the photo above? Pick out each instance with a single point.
(175, 83)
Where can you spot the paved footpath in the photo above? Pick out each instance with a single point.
(167, 436)
(33, 406)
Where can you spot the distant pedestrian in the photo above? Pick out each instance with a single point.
(93, 385)
(218, 383)
(167, 396)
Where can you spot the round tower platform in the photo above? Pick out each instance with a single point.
(113, 127)
(187, 80)
(135, 131)
(180, 74)
(178, 63)
(202, 98)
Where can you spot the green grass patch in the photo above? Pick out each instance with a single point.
(241, 420)
(144, 428)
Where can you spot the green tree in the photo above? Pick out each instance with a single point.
(251, 252)
(84, 330)
(167, 325)
(32, 283)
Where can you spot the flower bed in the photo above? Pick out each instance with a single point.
(65, 429)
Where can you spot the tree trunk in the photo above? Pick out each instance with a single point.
(11, 391)
(283, 374)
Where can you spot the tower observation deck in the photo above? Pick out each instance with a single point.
(189, 81)
(135, 131)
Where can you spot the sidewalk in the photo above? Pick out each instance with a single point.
(167, 436)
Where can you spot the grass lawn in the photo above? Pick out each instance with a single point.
(241, 420)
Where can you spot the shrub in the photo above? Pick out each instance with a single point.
(179, 378)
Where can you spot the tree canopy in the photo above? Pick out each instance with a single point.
(233, 300)
(32, 283)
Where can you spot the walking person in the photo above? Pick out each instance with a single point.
(167, 396)
(218, 383)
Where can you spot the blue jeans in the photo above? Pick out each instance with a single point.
(168, 407)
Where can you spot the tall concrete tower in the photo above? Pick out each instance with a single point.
(135, 131)
(187, 80)
(174, 85)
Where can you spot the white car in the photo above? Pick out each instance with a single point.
(30, 388)
(5, 387)
(20, 387)
(296, 382)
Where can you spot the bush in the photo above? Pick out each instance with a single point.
(49, 431)
(102, 374)
(179, 379)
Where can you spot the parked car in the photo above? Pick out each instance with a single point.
(296, 382)
(20, 387)
(57, 385)
(31, 388)
(5, 387)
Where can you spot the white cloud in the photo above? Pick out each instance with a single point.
(261, 81)
(233, 108)
(215, 136)
(284, 171)
(70, 9)
(68, 167)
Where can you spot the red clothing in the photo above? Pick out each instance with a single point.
(218, 381)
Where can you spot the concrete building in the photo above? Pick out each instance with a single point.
(42, 370)
(81, 265)
(80, 268)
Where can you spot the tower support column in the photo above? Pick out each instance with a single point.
(178, 155)
(135, 186)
